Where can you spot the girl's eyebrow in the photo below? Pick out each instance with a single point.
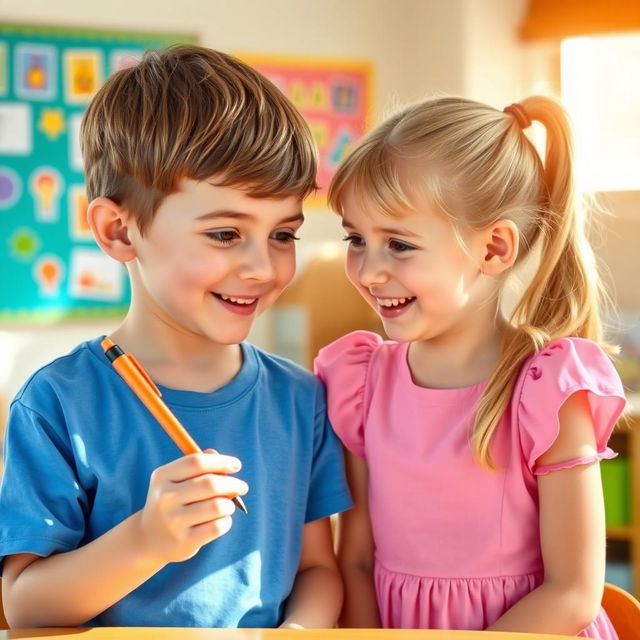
(392, 231)
(229, 213)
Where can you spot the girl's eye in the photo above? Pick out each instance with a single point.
(284, 237)
(224, 236)
(354, 240)
(399, 247)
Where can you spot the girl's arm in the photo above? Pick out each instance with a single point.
(572, 535)
(316, 596)
(188, 505)
(355, 552)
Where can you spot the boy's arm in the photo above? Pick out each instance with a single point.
(188, 505)
(355, 552)
(316, 596)
(572, 535)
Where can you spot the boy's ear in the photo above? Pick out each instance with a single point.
(501, 247)
(109, 223)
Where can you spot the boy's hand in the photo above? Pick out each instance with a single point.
(188, 505)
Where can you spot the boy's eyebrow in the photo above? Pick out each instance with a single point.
(229, 213)
(397, 231)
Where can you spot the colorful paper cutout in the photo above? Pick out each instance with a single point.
(340, 147)
(79, 228)
(82, 74)
(95, 276)
(345, 95)
(16, 123)
(46, 186)
(24, 243)
(48, 272)
(35, 71)
(10, 187)
(75, 152)
(51, 123)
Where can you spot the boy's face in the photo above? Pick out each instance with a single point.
(213, 258)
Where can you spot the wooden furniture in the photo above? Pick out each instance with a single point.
(623, 611)
(164, 633)
(626, 440)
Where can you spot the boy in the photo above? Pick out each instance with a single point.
(196, 168)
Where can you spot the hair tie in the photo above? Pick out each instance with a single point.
(518, 112)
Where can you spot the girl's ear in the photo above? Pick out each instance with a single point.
(109, 224)
(501, 247)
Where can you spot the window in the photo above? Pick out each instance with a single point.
(600, 80)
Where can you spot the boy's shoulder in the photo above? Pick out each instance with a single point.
(72, 372)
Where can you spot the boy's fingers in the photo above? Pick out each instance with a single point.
(208, 531)
(208, 486)
(207, 510)
(197, 464)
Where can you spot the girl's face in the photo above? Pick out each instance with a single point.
(413, 270)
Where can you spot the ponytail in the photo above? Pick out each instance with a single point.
(564, 297)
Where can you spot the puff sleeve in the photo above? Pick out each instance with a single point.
(562, 368)
(343, 367)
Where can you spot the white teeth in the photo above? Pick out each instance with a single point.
(392, 302)
(238, 300)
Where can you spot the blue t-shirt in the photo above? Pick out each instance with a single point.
(80, 449)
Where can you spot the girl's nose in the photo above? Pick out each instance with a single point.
(372, 270)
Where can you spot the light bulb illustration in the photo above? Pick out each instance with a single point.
(46, 188)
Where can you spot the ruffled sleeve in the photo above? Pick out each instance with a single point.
(343, 366)
(561, 369)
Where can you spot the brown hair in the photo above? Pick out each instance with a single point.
(479, 167)
(191, 112)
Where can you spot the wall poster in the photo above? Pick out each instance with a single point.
(51, 267)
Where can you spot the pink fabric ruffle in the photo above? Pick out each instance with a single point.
(471, 604)
(607, 454)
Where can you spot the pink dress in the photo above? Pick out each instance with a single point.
(456, 545)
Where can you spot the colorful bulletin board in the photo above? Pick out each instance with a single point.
(334, 96)
(50, 267)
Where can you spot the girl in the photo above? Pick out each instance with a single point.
(473, 438)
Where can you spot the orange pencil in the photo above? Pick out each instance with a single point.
(141, 384)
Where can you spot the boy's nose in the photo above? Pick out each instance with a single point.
(257, 264)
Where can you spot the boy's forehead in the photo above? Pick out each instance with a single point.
(208, 198)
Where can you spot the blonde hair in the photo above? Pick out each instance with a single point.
(479, 167)
(192, 112)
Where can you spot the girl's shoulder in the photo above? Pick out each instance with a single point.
(346, 367)
(549, 377)
(353, 354)
(565, 364)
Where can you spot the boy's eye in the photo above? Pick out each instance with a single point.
(354, 240)
(284, 237)
(398, 246)
(224, 236)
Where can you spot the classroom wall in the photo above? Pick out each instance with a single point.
(417, 48)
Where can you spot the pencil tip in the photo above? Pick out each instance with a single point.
(240, 504)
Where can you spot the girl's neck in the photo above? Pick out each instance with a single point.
(177, 358)
(464, 356)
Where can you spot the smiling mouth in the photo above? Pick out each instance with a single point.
(241, 302)
(394, 303)
(239, 306)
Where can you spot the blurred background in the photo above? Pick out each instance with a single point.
(346, 64)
